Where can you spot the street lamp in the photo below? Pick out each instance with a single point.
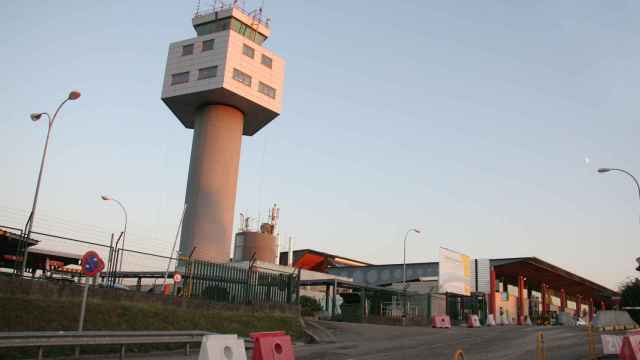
(123, 234)
(606, 170)
(404, 275)
(73, 95)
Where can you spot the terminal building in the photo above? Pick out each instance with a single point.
(512, 290)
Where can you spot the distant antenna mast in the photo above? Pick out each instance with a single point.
(275, 215)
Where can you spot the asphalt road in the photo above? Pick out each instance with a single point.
(380, 342)
(377, 342)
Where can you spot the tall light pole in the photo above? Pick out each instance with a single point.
(606, 170)
(404, 275)
(124, 231)
(73, 95)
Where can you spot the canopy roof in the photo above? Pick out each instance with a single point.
(538, 272)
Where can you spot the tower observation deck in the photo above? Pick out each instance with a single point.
(222, 84)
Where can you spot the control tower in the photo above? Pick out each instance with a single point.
(222, 84)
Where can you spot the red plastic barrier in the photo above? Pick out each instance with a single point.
(630, 348)
(273, 345)
(473, 321)
(441, 321)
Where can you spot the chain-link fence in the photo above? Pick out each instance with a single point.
(57, 257)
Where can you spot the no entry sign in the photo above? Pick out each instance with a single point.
(177, 277)
(91, 263)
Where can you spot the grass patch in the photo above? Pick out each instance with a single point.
(31, 314)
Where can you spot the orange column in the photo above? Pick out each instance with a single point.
(492, 293)
(543, 292)
(520, 300)
(563, 300)
(591, 310)
(579, 305)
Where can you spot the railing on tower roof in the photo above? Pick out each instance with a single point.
(254, 14)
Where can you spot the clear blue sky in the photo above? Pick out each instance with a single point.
(468, 120)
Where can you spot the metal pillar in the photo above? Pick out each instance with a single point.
(327, 296)
(363, 303)
(333, 302)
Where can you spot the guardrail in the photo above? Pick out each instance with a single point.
(47, 339)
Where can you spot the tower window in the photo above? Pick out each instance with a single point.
(187, 50)
(266, 61)
(267, 90)
(242, 77)
(208, 72)
(248, 51)
(180, 78)
(208, 44)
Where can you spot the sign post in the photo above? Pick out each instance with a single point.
(177, 278)
(92, 265)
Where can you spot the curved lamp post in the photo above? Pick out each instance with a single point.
(123, 235)
(404, 275)
(73, 95)
(606, 170)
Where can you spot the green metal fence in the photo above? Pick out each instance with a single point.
(227, 283)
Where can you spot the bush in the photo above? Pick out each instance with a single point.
(309, 306)
(630, 294)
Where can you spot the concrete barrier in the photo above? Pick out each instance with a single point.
(566, 319)
(613, 320)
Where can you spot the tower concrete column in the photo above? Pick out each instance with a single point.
(211, 187)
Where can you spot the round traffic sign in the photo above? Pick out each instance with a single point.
(177, 277)
(91, 263)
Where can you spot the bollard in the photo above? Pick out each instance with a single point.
(540, 354)
(591, 350)
(458, 355)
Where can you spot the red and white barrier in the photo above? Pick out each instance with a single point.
(630, 348)
(611, 344)
(275, 345)
(222, 347)
(473, 321)
(441, 321)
